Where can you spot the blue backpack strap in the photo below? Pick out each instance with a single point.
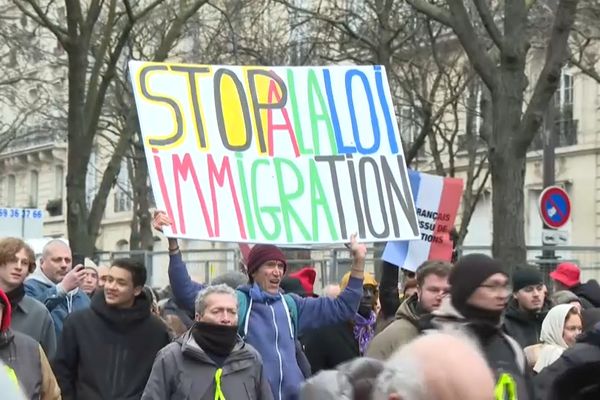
(242, 300)
(293, 307)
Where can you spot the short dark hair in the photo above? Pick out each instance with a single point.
(137, 269)
(439, 268)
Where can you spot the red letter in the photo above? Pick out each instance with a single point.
(164, 192)
(219, 175)
(287, 126)
(182, 169)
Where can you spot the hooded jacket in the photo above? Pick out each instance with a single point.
(525, 327)
(182, 370)
(503, 354)
(59, 303)
(269, 328)
(398, 333)
(107, 353)
(588, 293)
(575, 374)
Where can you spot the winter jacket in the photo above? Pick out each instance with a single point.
(352, 380)
(33, 319)
(588, 293)
(182, 370)
(574, 376)
(269, 327)
(330, 346)
(106, 353)
(398, 333)
(29, 365)
(59, 303)
(525, 327)
(503, 354)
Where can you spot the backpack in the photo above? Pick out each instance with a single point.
(292, 307)
(242, 299)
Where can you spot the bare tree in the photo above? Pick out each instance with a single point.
(497, 43)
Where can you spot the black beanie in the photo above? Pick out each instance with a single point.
(526, 276)
(468, 273)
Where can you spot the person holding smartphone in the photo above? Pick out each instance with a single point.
(56, 284)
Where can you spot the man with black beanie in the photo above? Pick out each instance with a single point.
(527, 308)
(478, 295)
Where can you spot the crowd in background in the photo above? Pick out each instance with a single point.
(464, 330)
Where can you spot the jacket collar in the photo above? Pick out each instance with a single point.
(39, 276)
(191, 349)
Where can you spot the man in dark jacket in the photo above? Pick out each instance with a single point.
(527, 308)
(567, 277)
(479, 289)
(210, 361)
(106, 352)
(332, 345)
(574, 376)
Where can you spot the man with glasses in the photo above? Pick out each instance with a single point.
(527, 308)
(479, 291)
(432, 286)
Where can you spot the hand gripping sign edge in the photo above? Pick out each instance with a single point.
(555, 207)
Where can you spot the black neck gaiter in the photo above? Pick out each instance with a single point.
(16, 295)
(217, 339)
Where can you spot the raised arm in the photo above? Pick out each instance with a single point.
(389, 296)
(313, 313)
(183, 287)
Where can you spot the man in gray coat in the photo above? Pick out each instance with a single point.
(210, 361)
(29, 316)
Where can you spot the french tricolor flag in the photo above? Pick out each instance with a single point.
(436, 201)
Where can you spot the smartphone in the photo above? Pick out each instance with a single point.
(78, 259)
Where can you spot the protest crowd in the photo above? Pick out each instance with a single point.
(462, 330)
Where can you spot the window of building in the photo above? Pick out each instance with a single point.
(33, 188)
(123, 192)
(10, 191)
(59, 181)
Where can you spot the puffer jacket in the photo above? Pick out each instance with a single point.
(524, 327)
(588, 293)
(398, 333)
(503, 354)
(182, 370)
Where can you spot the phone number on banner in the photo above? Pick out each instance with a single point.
(20, 213)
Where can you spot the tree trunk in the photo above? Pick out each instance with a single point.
(508, 176)
(78, 154)
(141, 225)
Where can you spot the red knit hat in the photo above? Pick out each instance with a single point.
(5, 321)
(260, 254)
(306, 276)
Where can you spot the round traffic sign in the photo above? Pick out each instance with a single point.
(555, 207)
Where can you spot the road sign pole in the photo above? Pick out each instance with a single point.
(548, 162)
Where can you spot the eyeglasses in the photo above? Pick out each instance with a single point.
(498, 288)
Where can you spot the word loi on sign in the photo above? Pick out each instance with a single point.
(437, 200)
(278, 154)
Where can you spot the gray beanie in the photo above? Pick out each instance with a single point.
(233, 279)
(563, 297)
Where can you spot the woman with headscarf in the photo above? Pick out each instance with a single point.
(560, 329)
(330, 346)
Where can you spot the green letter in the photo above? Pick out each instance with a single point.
(244, 192)
(319, 116)
(317, 198)
(287, 210)
(271, 211)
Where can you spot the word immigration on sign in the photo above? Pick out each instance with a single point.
(274, 154)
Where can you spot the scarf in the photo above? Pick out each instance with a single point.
(364, 330)
(16, 295)
(213, 338)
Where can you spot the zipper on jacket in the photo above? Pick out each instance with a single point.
(277, 349)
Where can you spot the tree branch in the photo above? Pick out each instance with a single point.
(488, 22)
(432, 11)
(42, 19)
(549, 79)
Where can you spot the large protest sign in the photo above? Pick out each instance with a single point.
(278, 154)
(437, 200)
